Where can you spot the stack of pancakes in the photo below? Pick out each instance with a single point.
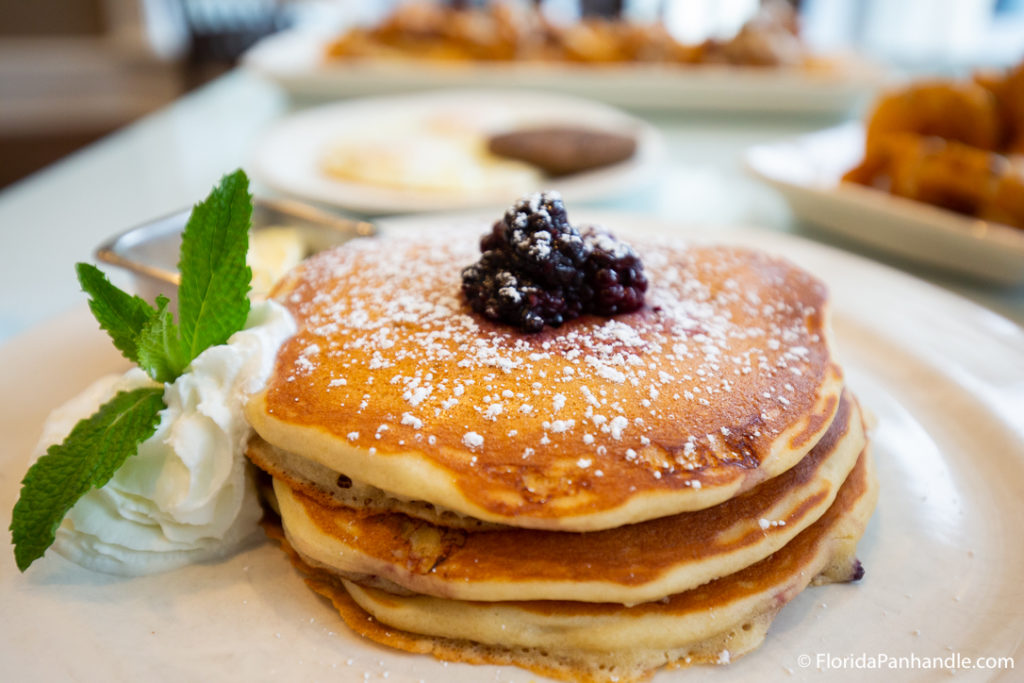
(591, 502)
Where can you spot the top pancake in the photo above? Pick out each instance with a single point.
(725, 378)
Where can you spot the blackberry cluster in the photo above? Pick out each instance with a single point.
(615, 274)
(537, 269)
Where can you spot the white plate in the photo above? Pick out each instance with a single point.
(295, 60)
(807, 171)
(943, 554)
(289, 155)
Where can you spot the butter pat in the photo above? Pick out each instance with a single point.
(272, 253)
(187, 495)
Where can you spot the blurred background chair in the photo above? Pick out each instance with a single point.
(72, 71)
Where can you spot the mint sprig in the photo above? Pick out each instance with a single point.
(213, 304)
(88, 458)
(212, 296)
(160, 351)
(121, 315)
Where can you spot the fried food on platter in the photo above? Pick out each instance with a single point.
(875, 170)
(1008, 90)
(1007, 202)
(436, 32)
(952, 144)
(503, 31)
(947, 174)
(964, 112)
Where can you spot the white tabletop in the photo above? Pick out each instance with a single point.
(171, 159)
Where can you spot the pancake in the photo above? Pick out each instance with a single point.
(609, 642)
(332, 489)
(629, 564)
(724, 379)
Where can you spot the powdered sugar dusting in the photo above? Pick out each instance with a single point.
(727, 353)
(472, 440)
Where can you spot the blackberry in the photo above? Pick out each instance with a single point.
(497, 292)
(537, 269)
(614, 274)
(539, 241)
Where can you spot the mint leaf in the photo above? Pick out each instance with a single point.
(212, 304)
(212, 297)
(213, 300)
(122, 315)
(160, 351)
(87, 459)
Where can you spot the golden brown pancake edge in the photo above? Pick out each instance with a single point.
(668, 450)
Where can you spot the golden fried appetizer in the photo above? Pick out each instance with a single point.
(1008, 90)
(1007, 202)
(951, 144)
(506, 31)
(963, 112)
(770, 38)
(947, 174)
(876, 169)
(593, 41)
(436, 32)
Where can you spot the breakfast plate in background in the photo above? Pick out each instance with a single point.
(807, 172)
(296, 60)
(429, 152)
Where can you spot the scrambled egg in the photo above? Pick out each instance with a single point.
(429, 155)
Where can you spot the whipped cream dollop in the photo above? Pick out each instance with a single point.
(187, 495)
